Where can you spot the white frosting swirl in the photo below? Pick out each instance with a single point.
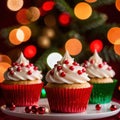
(67, 71)
(23, 70)
(95, 67)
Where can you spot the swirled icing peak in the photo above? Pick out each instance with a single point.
(67, 71)
(23, 70)
(95, 67)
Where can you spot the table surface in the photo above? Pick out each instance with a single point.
(7, 117)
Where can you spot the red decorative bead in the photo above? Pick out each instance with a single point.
(83, 70)
(28, 66)
(52, 72)
(28, 109)
(12, 72)
(31, 64)
(35, 68)
(11, 106)
(98, 107)
(66, 62)
(109, 68)
(105, 63)
(22, 65)
(79, 72)
(113, 107)
(29, 72)
(75, 63)
(34, 109)
(91, 61)
(59, 68)
(100, 65)
(14, 64)
(41, 110)
(18, 69)
(62, 74)
(71, 68)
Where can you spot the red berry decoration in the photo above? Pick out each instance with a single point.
(28, 109)
(52, 72)
(29, 72)
(59, 68)
(62, 74)
(66, 62)
(98, 107)
(34, 109)
(71, 68)
(113, 107)
(41, 110)
(79, 72)
(11, 106)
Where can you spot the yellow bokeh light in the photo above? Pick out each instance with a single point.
(82, 10)
(117, 5)
(15, 5)
(117, 49)
(91, 1)
(33, 14)
(113, 35)
(74, 46)
(13, 37)
(27, 33)
(5, 58)
(3, 67)
(20, 35)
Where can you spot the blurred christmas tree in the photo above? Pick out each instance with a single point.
(44, 27)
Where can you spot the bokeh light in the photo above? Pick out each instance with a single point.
(22, 16)
(5, 58)
(13, 38)
(33, 14)
(20, 35)
(50, 20)
(113, 35)
(96, 45)
(117, 49)
(53, 58)
(30, 51)
(74, 46)
(83, 10)
(90, 1)
(117, 4)
(27, 32)
(15, 5)
(64, 19)
(3, 67)
(44, 42)
(48, 5)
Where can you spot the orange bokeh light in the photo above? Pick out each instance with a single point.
(117, 5)
(13, 37)
(82, 10)
(117, 49)
(5, 58)
(27, 32)
(15, 5)
(74, 46)
(22, 16)
(113, 35)
(91, 1)
(3, 67)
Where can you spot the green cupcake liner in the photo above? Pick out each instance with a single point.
(102, 93)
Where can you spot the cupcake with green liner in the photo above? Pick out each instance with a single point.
(23, 83)
(101, 76)
(68, 90)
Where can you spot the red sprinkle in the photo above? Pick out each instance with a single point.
(22, 64)
(91, 61)
(12, 72)
(71, 68)
(62, 74)
(109, 68)
(29, 72)
(100, 65)
(75, 63)
(66, 62)
(59, 68)
(52, 72)
(18, 69)
(79, 72)
(83, 70)
(35, 68)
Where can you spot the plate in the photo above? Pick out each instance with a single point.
(91, 112)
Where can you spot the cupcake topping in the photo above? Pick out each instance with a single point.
(23, 70)
(67, 71)
(95, 67)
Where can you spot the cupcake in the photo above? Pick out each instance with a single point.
(67, 88)
(101, 77)
(23, 83)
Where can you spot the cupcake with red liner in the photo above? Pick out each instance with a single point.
(68, 90)
(23, 83)
(101, 77)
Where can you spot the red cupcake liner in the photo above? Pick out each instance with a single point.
(21, 95)
(68, 100)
